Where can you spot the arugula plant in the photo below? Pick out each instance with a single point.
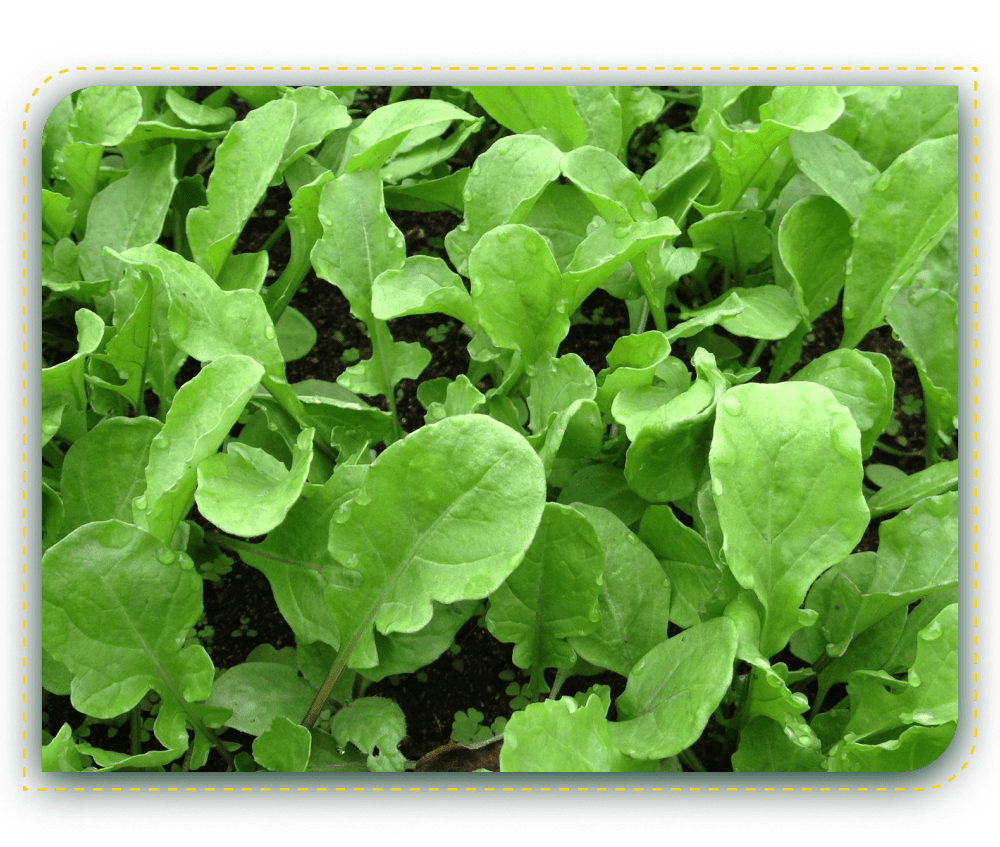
(681, 518)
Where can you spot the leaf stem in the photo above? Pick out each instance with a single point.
(892, 451)
(757, 350)
(135, 731)
(275, 236)
(561, 676)
(691, 760)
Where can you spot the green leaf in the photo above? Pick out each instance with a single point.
(402, 127)
(562, 736)
(765, 748)
(743, 156)
(553, 594)
(424, 285)
(684, 556)
(503, 186)
(246, 491)
(634, 597)
(608, 248)
(814, 243)
(517, 291)
(612, 188)
(739, 240)
(907, 212)
(604, 486)
(285, 747)
(197, 114)
(836, 167)
(769, 312)
(679, 153)
(859, 385)
(259, 693)
(359, 240)
(445, 514)
(369, 723)
(105, 470)
(899, 495)
(673, 690)
(116, 615)
(244, 164)
(882, 122)
(317, 113)
(296, 336)
(128, 213)
(522, 109)
(200, 418)
(789, 506)
(296, 560)
(105, 114)
(915, 748)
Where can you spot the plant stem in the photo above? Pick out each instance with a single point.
(561, 676)
(643, 317)
(135, 731)
(757, 350)
(892, 451)
(275, 236)
(691, 760)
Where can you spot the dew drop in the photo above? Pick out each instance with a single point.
(502, 151)
(637, 93)
(466, 196)
(913, 678)
(849, 267)
(342, 514)
(931, 632)
(923, 717)
(362, 498)
(648, 208)
(459, 422)
(917, 295)
(140, 502)
(502, 237)
(187, 563)
(732, 405)
(805, 740)
(848, 312)
(166, 556)
(896, 95)
(531, 247)
(271, 425)
(855, 229)
(621, 230)
(269, 333)
(50, 428)
(561, 307)
(717, 487)
(161, 443)
(633, 539)
(595, 616)
(882, 183)
(845, 441)
(600, 580)
(638, 669)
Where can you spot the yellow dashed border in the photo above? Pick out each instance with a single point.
(747, 789)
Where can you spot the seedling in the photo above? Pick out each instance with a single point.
(678, 517)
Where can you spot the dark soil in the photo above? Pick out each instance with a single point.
(243, 602)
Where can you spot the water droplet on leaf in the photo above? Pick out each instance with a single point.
(269, 332)
(502, 237)
(271, 425)
(896, 95)
(732, 405)
(913, 678)
(845, 441)
(621, 230)
(931, 632)
(717, 487)
(882, 183)
(161, 443)
(848, 312)
(140, 502)
(166, 556)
